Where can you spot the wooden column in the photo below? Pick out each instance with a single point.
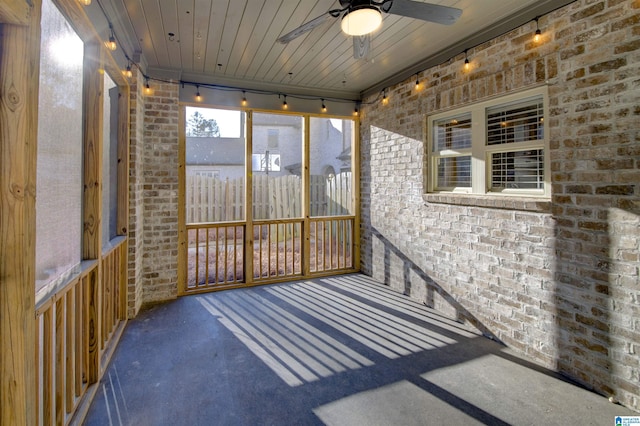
(123, 194)
(182, 220)
(248, 200)
(93, 81)
(306, 199)
(19, 77)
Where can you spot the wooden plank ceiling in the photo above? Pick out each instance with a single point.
(233, 42)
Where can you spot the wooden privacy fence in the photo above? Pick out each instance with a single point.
(211, 199)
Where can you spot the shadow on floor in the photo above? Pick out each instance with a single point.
(338, 351)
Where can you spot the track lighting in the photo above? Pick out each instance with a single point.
(111, 44)
(198, 97)
(538, 35)
(467, 65)
(324, 107)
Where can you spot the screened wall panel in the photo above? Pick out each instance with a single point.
(330, 177)
(277, 166)
(215, 165)
(59, 161)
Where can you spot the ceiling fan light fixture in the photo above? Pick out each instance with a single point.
(361, 20)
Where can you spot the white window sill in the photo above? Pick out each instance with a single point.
(505, 202)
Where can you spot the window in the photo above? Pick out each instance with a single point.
(496, 146)
(272, 138)
(211, 174)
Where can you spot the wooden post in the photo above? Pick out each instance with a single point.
(183, 245)
(306, 199)
(19, 78)
(248, 201)
(93, 81)
(355, 192)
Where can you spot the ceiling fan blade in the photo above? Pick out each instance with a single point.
(305, 28)
(362, 46)
(425, 11)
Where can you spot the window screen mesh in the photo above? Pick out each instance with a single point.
(520, 122)
(59, 160)
(517, 170)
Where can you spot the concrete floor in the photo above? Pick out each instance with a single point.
(335, 351)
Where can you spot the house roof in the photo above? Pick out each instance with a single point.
(210, 150)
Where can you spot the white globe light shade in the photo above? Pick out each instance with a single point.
(361, 21)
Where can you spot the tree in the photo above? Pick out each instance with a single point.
(199, 126)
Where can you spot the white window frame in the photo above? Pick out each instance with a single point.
(481, 152)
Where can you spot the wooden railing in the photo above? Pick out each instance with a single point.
(215, 254)
(218, 258)
(77, 329)
(277, 250)
(331, 247)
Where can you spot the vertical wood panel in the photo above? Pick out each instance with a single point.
(79, 330)
(93, 86)
(306, 199)
(123, 161)
(182, 227)
(47, 368)
(19, 78)
(247, 258)
(70, 311)
(59, 363)
(92, 130)
(122, 285)
(355, 194)
(93, 328)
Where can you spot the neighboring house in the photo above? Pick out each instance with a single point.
(277, 149)
(215, 157)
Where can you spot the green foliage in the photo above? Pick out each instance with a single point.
(199, 126)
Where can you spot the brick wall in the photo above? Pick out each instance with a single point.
(555, 280)
(159, 169)
(136, 176)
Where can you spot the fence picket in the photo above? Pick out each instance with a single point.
(211, 199)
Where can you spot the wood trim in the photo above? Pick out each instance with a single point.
(15, 12)
(93, 80)
(19, 80)
(182, 203)
(123, 161)
(355, 176)
(92, 130)
(248, 200)
(306, 197)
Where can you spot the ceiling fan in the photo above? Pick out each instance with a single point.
(362, 17)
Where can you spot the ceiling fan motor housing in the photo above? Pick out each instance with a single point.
(361, 18)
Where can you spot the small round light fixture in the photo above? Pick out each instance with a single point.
(361, 20)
